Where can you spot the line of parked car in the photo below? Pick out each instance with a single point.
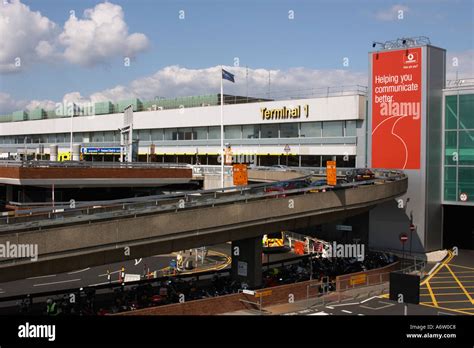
(352, 175)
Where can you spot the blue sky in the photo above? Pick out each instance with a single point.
(259, 33)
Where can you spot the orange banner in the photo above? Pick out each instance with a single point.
(240, 174)
(396, 109)
(331, 175)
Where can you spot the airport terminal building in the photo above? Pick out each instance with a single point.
(295, 132)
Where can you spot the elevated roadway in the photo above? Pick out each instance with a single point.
(70, 239)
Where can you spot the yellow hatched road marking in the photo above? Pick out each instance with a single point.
(453, 264)
(446, 294)
(460, 285)
(448, 309)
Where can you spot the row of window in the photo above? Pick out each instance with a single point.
(262, 160)
(262, 131)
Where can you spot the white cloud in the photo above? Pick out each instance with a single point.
(460, 64)
(101, 35)
(173, 81)
(392, 13)
(24, 34)
(8, 104)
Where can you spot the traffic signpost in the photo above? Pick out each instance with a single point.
(403, 239)
(287, 152)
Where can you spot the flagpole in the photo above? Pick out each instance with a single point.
(222, 131)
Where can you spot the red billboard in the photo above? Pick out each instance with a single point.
(396, 109)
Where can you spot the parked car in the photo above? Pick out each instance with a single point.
(359, 175)
(286, 186)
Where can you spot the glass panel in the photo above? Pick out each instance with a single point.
(450, 183)
(250, 131)
(200, 133)
(214, 132)
(451, 112)
(77, 137)
(232, 132)
(97, 137)
(144, 135)
(269, 130)
(311, 161)
(466, 181)
(325, 159)
(345, 161)
(310, 129)
(185, 134)
(466, 111)
(332, 129)
(466, 147)
(60, 138)
(351, 128)
(450, 141)
(170, 134)
(157, 134)
(289, 130)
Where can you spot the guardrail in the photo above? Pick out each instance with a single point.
(89, 164)
(102, 210)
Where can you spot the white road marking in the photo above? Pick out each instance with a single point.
(113, 281)
(330, 307)
(81, 270)
(62, 281)
(319, 313)
(103, 275)
(45, 276)
(345, 311)
(360, 314)
(345, 304)
(137, 262)
(368, 299)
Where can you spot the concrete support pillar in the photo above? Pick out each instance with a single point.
(247, 261)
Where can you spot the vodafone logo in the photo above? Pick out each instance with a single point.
(411, 58)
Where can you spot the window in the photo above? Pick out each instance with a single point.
(466, 147)
(450, 143)
(97, 137)
(332, 129)
(466, 178)
(311, 161)
(250, 131)
(77, 138)
(157, 134)
(232, 132)
(451, 112)
(351, 128)
(214, 132)
(171, 134)
(269, 130)
(200, 133)
(289, 130)
(144, 135)
(185, 134)
(466, 111)
(325, 159)
(450, 183)
(310, 130)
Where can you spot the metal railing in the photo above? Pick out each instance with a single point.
(27, 219)
(89, 164)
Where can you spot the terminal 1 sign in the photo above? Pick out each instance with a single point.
(396, 109)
